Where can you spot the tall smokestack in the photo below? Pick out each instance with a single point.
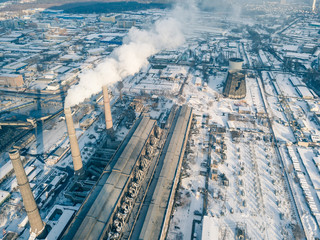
(314, 5)
(107, 110)
(36, 224)
(75, 151)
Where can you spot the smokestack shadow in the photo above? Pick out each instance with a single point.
(39, 128)
(62, 94)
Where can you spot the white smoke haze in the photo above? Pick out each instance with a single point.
(128, 59)
(231, 8)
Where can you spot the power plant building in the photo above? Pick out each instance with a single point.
(96, 215)
(111, 209)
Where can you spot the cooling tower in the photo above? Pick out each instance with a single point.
(36, 224)
(75, 151)
(107, 109)
(235, 64)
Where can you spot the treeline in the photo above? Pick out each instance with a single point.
(79, 6)
(104, 7)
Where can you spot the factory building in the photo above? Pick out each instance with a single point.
(235, 85)
(11, 80)
(111, 19)
(125, 24)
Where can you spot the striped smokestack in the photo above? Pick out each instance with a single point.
(107, 110)
(75, 151)
(36, 224)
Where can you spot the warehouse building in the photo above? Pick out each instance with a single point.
(11, 80)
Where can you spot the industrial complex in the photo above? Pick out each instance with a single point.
(127, 125)
(107, 207)
(106, 210)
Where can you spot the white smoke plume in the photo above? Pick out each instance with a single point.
(128, 59)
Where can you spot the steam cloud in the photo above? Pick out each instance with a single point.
(128, 59)
(231, 8)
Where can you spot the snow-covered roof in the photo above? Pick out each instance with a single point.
(302, 56)
(5, 169)
(3, 195)
(210, 229)
(62, 222)
(317, 160)
(305, 92)
(290, 48)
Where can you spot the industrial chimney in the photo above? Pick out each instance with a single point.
(75, 151)
(314, 5)
(36, 224)
(107, 110)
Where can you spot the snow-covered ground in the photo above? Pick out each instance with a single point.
(256, 197)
